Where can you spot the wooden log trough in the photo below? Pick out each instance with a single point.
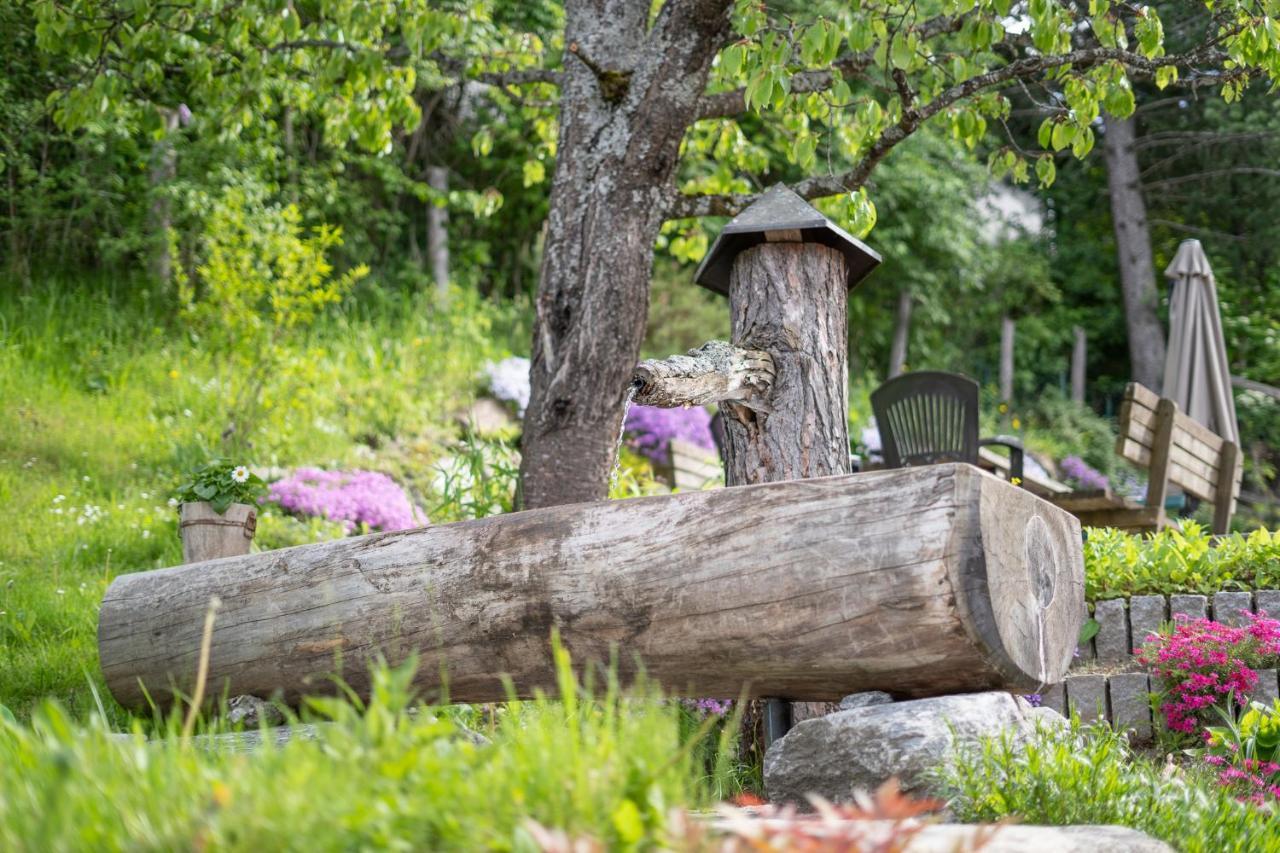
(918, 582)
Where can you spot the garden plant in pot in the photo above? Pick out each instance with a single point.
(216, 513)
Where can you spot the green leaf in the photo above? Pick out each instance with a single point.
(731, 59)
(482, 142)
(1046, 171)
(1083, 143)
(1088, 631)
(221, 502)
(1063, 133)
(901, 53)
(1166, 75)
(1045, 136)
(205, 491)
(534, 172)
(628, 823)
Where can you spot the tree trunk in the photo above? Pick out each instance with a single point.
(789, 300)
(901, 334)
(164, 168)
(438, 233)
(628, 94)
(1007, 331)
(1133, 245)
(1079, 362)
(806, 590)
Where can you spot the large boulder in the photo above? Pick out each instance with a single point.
(861, 748)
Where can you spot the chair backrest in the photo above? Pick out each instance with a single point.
(927, 417)
(1177, 449)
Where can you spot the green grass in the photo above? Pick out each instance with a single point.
(107, 401)
(609, 767)
(1090, 776)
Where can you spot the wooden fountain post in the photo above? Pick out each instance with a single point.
(787, 270)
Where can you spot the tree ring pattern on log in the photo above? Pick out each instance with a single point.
(1041, 559)
(1034, 582)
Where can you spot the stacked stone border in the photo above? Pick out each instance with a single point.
(1123, 698)
(1123, 625)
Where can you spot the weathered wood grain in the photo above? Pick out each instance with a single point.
(916, 582)
(208, 535)
(716, 372)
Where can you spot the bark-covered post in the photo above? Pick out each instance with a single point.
(786, 269)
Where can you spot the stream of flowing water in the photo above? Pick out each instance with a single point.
(622, 434)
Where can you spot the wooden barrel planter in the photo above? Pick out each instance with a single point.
(208, 535)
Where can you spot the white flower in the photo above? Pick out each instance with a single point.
(146, 495)
(146, 534)
(59, 499)
(509, 380)
(240, 474)
(173, 502)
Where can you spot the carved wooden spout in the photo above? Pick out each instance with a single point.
(716, 372)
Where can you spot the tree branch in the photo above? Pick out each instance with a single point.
(685, 206)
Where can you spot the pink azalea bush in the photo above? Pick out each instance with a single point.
(1203, 663)
(650, 429)
(353, 498)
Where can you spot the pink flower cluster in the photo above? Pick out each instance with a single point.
(1203, 662)
(1252, 779)
(354, 498)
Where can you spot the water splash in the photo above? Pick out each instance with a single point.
(622, 434)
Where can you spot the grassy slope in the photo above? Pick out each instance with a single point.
(105, 405)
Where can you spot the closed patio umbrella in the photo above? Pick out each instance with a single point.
(1196, 372)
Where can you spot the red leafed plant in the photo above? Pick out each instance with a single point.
(884, 822)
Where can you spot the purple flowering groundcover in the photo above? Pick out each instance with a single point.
(650, 430)
(350, 497)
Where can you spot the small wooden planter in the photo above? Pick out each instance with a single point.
(206, 535)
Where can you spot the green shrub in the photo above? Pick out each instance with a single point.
(1091, 776)
(1118, 565)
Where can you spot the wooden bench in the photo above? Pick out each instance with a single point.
(690, 467)
(1175, 449)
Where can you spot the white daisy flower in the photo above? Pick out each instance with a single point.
(240, 474)
(173, 502)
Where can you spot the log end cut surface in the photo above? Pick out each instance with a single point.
(1023, 582)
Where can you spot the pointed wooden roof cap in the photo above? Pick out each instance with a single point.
(780, 209)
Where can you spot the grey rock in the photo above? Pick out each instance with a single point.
(1266, 692)
(949, 838)
(1268, 601)
(252, 712)
(1131, 704)
(858, 750)
(1054, 697)
(1146, 612)
(865, 700)
(1227, 606)
(1087, 696)
(1192, 606)
(1112, 641)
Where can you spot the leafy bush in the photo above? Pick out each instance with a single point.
(605, 763)
(258, 280)
(1203, 665)
(1091, 776)
(1119, 565)
(221, 483)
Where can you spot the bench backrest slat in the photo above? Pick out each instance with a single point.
(1197, 455)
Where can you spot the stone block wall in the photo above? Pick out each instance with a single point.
(1123, 698)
